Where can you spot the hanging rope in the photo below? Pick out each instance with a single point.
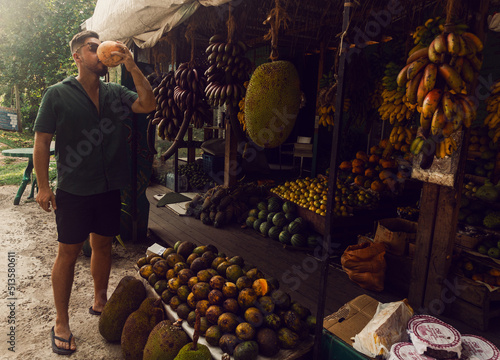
(190, 35)
(231, 25)
(171, 41)
(277, 18)
(451, 9)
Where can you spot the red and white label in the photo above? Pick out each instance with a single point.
(406, 351)
(477, 348)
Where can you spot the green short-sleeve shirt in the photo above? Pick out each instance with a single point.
(91, 146)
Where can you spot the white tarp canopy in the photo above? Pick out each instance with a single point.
(141, 21)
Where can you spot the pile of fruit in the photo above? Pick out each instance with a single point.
(237, 304)
(479, 272)
(279, 221)
(490, 247)
(195, 174)
(308, 193)
(224, 205)
(479, 205)
(376, 171)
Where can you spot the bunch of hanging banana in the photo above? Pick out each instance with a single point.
(189, 93)
(241, 113)
(492, 120)
(394, 105)
(401, 135)
(424, 34)
(435, 79)
(326, 114)
(376, 99)
(229, 69)
(168, 117)
(439, 145)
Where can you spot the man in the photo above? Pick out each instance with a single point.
(86, 114)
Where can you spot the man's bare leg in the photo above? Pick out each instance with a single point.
(100, 267)
(62, 281)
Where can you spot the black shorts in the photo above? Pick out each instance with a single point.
(78, 216)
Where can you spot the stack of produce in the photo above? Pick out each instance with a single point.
(189, 93)
(479, 272)
(377, 171)
(223, 205)
(481, 153)
(491, 247)
(436, 78)
(242, 312)
(307, 193)
(279, 221)
(395, 106)
(492, 120)
(197, 178)
(477, 207)
(229, 69)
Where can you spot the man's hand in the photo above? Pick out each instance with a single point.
(127, 58)
(45, 198)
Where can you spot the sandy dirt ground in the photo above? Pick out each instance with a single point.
(28, 246)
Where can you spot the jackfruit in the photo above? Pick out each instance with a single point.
(272, 103)
(138, 326)
(488, 192)
(127, 297)
(165, 341)
(492, 220)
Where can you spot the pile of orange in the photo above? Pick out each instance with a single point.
(307, 193)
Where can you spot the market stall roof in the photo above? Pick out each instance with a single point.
(143, 22)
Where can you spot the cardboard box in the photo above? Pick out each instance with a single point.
(396, 234)
(351, 318)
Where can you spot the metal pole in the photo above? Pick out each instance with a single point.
(332, 179)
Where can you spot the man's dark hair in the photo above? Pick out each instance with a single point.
(79, 39)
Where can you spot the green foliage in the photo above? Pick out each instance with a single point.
(34, 47)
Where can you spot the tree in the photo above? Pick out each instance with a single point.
(34, 50)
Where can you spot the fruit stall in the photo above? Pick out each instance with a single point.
(401, 105)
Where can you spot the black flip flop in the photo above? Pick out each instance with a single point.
(93, 312)
(58, 350)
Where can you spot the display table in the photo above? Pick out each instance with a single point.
(24, 153)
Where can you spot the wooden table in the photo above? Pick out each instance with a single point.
(25, 153)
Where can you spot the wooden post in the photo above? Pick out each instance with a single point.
(191, 152)
(425, 229)
(230, 160)
(18, 109)
(332, 179)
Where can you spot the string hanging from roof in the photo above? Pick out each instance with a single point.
(277, 18)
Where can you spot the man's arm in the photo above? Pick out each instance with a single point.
(41, 158)
(146, 101)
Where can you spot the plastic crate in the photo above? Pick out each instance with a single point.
(213, 164)
(333, 348)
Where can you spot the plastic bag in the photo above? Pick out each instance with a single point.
(365, 265)
(387, 327)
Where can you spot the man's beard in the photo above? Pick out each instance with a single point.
(99, 69)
